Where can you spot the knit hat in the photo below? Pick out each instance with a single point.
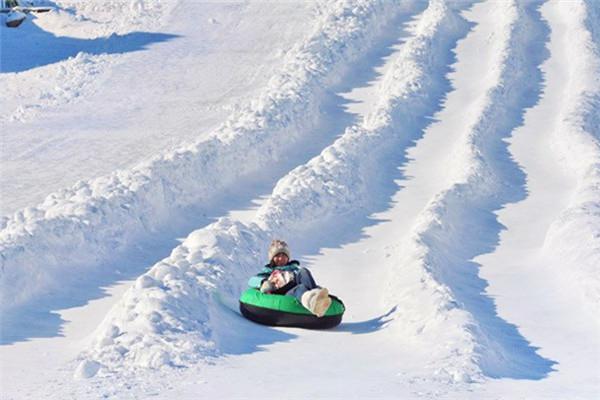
(278, 246)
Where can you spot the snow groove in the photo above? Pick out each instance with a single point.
(577, 140)
(458, 223)
(171, 316)
(108, 215)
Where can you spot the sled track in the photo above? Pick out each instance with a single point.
(459, 223)
(539, 255)
(110, 216)
(170, 318)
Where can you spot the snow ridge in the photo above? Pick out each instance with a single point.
(106, 216)
(577, 140)
(171, 317)
(458, 224)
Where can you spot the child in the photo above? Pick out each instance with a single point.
(282, 276)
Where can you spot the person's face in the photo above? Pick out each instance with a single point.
(280, 259)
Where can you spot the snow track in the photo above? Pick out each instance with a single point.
(109, 215)
(170, 318)
(457, 224)
(540, 253)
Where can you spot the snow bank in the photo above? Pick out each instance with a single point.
(436, 283)
(169, 317)
(172, 316)
(75, 229)
(575, 237)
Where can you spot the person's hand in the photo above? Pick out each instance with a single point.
(281, 278)
(267, 287)
(277, 279)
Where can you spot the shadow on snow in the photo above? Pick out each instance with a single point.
(368, 326)
(237, 335)
(29, 46)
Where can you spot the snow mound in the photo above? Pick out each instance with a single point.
(167, 317)
(171, 317)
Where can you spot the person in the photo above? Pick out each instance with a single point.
(284, 276)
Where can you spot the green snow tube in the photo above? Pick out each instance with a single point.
(282, 310)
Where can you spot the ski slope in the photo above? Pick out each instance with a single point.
(435, 164)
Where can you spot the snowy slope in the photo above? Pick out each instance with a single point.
(111, 98)
(219, 257)
(453, 206)
(112, 213)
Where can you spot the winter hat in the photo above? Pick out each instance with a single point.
(278, 246)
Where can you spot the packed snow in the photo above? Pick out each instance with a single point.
(435, 164)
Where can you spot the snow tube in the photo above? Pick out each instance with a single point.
(282, 310)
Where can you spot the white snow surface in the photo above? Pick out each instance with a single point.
(215, 260)
(110, 213)
(435, 164)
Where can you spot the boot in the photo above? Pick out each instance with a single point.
(317, 301)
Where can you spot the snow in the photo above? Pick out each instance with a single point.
(218, 257)
(572, 236)
(436, 165)
(167, 87)
(109, 214)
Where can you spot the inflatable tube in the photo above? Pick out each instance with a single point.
(282, 310)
